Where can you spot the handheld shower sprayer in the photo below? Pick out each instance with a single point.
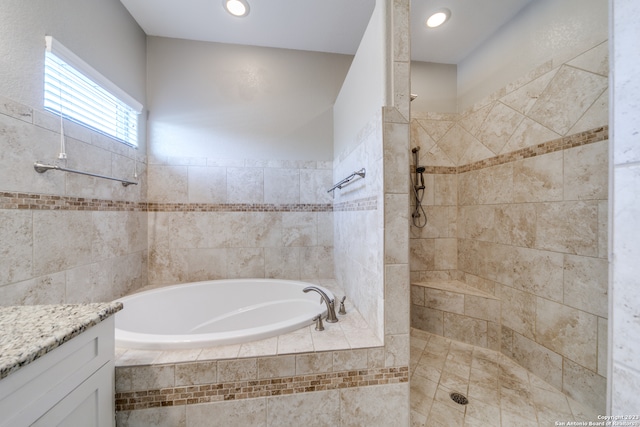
(418, 191)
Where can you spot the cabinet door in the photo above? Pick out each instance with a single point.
(88, 405)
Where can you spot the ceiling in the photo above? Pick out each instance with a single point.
(324, 25)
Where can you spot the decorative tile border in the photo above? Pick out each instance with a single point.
(30, 201)
(564, 143)
(206, 393)
(238, 207)
(364, 204)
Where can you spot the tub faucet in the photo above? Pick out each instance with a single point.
(331, 312)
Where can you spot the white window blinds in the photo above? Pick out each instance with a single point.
(79, 93)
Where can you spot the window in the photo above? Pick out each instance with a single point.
(76, 91)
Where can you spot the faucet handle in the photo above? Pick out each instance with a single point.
(318, 320)
(342, 310)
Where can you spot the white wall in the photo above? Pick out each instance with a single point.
(364, 90)
(226, 101)
(624, 210)
(435, 85)
(545, 30)
(102, 33)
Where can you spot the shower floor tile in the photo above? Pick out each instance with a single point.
(500, 392)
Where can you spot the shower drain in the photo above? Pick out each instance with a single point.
(459, 398)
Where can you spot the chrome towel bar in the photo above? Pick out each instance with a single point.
(361, 173)
(42, 168)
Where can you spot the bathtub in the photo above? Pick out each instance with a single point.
(215, 312)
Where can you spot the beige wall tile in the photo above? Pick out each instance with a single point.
(167, 184)
(539, 272)
(518, 311)
(282, 263)
(396, 349)
(237, 370)
(465, 329)
(380, 405)
(477, 222)
(569, 94)
(348, 360)
(314, 363)
(586, 170)
(245, 262)
(496, 262)
(528, 133)
(445, 190)
(584, 385)
(539, 178)
(308, 409)
(538, 359)
(395, 230)
(188, 374)
(64, 240)
(175, 416)
(569, 227)
(523, 98)
(427, 319)
(437, 299)
(446, 254)
(245, 185)
(515, 224)
(417, 295)
(586, 282)
(570, 332)
(455, 142)
(603, 346)
(207, 184)
(281, 185)
(144, 377)
(278, 366)
(299, 229)
(499, 125)
(16, 260)
(246, 412)
(482, 308)
(422, 254)
(396, 304)
(468, 188)
(495, 184)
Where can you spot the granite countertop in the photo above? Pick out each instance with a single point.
(28, 332)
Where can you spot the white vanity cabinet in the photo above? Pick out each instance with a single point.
(72, 385)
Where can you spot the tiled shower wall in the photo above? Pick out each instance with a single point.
(227, 219)
(517, 206)
(67, 238)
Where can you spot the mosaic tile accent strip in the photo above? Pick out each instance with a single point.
(238, 207)
(564, 143)
(364, 204)
(206, 393)
(30, 201)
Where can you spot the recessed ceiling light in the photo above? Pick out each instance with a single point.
(438, 18)
(237, 8)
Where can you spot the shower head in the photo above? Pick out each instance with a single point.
(413, 96)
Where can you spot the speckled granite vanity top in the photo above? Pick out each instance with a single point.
(30, 331)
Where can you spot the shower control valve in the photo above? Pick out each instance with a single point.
(342, 310)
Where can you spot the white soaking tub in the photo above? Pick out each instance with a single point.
(215, 312)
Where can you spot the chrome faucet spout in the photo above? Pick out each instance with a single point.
(331, 311)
